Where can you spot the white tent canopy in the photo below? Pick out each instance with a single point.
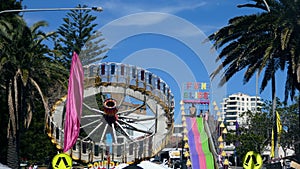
(120, 166)
(144, 165)
(150, 165)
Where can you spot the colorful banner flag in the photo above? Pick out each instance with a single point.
(74, 103)
(237, 126)
(237, 132)
(275, 139)
(278, 123)
(272, 154)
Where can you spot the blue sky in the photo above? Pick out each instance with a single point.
(163, 36)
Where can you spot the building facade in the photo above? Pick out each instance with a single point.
(236, 104)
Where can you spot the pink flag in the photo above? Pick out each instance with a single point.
(74, 103)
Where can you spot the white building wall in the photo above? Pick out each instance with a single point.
(234, 105)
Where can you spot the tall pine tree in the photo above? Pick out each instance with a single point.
(78, 34)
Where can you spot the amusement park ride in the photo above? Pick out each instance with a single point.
(127, 115)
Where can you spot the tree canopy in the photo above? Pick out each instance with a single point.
(266, 41)
(78, 34)
(255, 135)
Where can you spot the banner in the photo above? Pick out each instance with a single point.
(196, 92)
(74, 103)
(275, 139)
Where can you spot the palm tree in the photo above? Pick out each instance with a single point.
(25, 68)
(263, 42)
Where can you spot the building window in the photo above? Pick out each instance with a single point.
(232, 98)
(230, 113)
(230, 118)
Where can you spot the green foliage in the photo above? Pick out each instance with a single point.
(7, 5)
(35, 145)
(3, 126)
(264, 42)
(290, 122)
(255, 133)
(26, 76)
(93, 48)
(77, 34)
(4, 19)
(289, 116)
(36, 76)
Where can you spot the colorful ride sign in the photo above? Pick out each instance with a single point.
(196, 92)
(252, 160)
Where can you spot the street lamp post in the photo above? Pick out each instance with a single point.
(98, 9)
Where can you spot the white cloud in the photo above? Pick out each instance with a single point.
(129, 7)
(146, 20)
(182, 7)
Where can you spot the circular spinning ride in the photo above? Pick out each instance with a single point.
(127, 114)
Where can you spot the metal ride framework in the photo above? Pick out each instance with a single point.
(127, 115)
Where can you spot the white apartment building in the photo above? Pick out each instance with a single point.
(234, 105)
